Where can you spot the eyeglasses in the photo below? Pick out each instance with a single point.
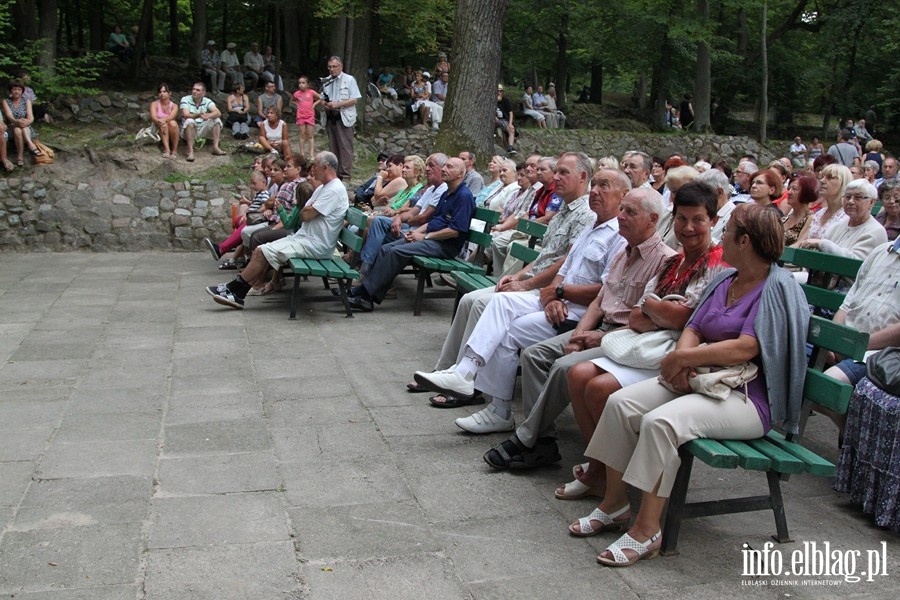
(856, 197)
(891, 199)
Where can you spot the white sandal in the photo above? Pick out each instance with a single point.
(607, 522)
(626, 542)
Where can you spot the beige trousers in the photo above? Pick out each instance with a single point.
(644, 424)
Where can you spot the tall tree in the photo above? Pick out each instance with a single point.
(48, 23)
(764, 64)
(702, 79)
(141, 43)
(471, 98)
(198, 32)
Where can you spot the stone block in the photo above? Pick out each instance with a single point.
(121, 199)
(149, 212)
(166, 204)
(127, 210)
(145, 199)
(95, 225)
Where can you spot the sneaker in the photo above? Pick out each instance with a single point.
(215, 290)
(485, 421)
(225, 297)
(213, 248)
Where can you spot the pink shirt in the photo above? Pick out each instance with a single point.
(305, 100)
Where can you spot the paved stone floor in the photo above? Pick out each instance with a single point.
(156, 445)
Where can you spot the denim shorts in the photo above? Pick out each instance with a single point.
(852, 369)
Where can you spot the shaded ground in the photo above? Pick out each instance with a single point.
(156, 445)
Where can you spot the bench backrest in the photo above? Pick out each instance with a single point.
(483, 238)
(827, 336)
(533, 229)
(829, 263)
(356, 219)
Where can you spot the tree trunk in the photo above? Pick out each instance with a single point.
(562, 62)
(357, 61)
(764, 88)
(660, 85)
(291, 42)
(702, 83)
(198, 33)
(478, 38)
(95, 22)
(174, 44)
(140, 48)
(24, 14)
(338, 39)
(597, 83)
(48, 24)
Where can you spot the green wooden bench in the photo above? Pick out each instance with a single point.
(425, 266)
(775, 455)
(332, 268)
(466, 282)
(819, 261)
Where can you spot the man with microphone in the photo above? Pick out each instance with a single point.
(341, 91)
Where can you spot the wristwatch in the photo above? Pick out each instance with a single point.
(560, 291)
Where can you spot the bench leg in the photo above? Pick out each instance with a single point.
(325, 282)
(459, 295)
(294, 294)
(420, 292)
(782, 536)
(675, 510)
(342, 286)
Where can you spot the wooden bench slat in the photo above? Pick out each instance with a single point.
(825, 391)
(837, 338)
(823, 298)
(782, 462)
(816, 465)
(713, 453)
(748, 458)
(316, 269)
(299, 266)
(532, 228)
(523, 252)
(820, 261)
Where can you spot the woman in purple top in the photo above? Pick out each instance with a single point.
(643, 425)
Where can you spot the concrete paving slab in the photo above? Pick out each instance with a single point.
(309, 411)
(585, 582)
(216, 437)
(218, 474)
(332, 481)
(89, 501)
(69, 557)
(339, 441)
(304, 385)
(361, 531)
(20, 413)
(15, 477)
(106, 377)
(217, 519)
(187, 408)
(106, 592)
(385, 578)
(24, 444)
(98, 459)
(113, 427)
(131, 400)
(225, 572)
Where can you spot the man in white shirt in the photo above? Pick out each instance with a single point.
(231, 65)
(322, 216)
(340, 114)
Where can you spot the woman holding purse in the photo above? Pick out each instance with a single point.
(755, 313)
(684, 276)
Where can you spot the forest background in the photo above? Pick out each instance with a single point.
(804, 63)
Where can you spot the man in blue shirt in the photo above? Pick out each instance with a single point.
(442, 237)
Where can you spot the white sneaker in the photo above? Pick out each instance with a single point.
(446, 382)
(485, 421)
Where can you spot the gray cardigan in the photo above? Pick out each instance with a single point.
(781, 326)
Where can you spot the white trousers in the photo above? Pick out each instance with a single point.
(643, 425)
(511, 321)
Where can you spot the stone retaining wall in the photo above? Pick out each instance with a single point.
(43, 214)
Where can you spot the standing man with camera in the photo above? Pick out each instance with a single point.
(340, 92)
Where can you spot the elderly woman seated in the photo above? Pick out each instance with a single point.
(889, 217)
(685, 275)
(861, 233)
(752, 317)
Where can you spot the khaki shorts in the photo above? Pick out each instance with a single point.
(204, 130)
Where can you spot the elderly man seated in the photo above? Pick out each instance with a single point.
(384, 229)
(514, 321)
(607, 191)
(872, 306)
(442, 236)
(322, 216)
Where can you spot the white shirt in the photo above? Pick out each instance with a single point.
(331, 202)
